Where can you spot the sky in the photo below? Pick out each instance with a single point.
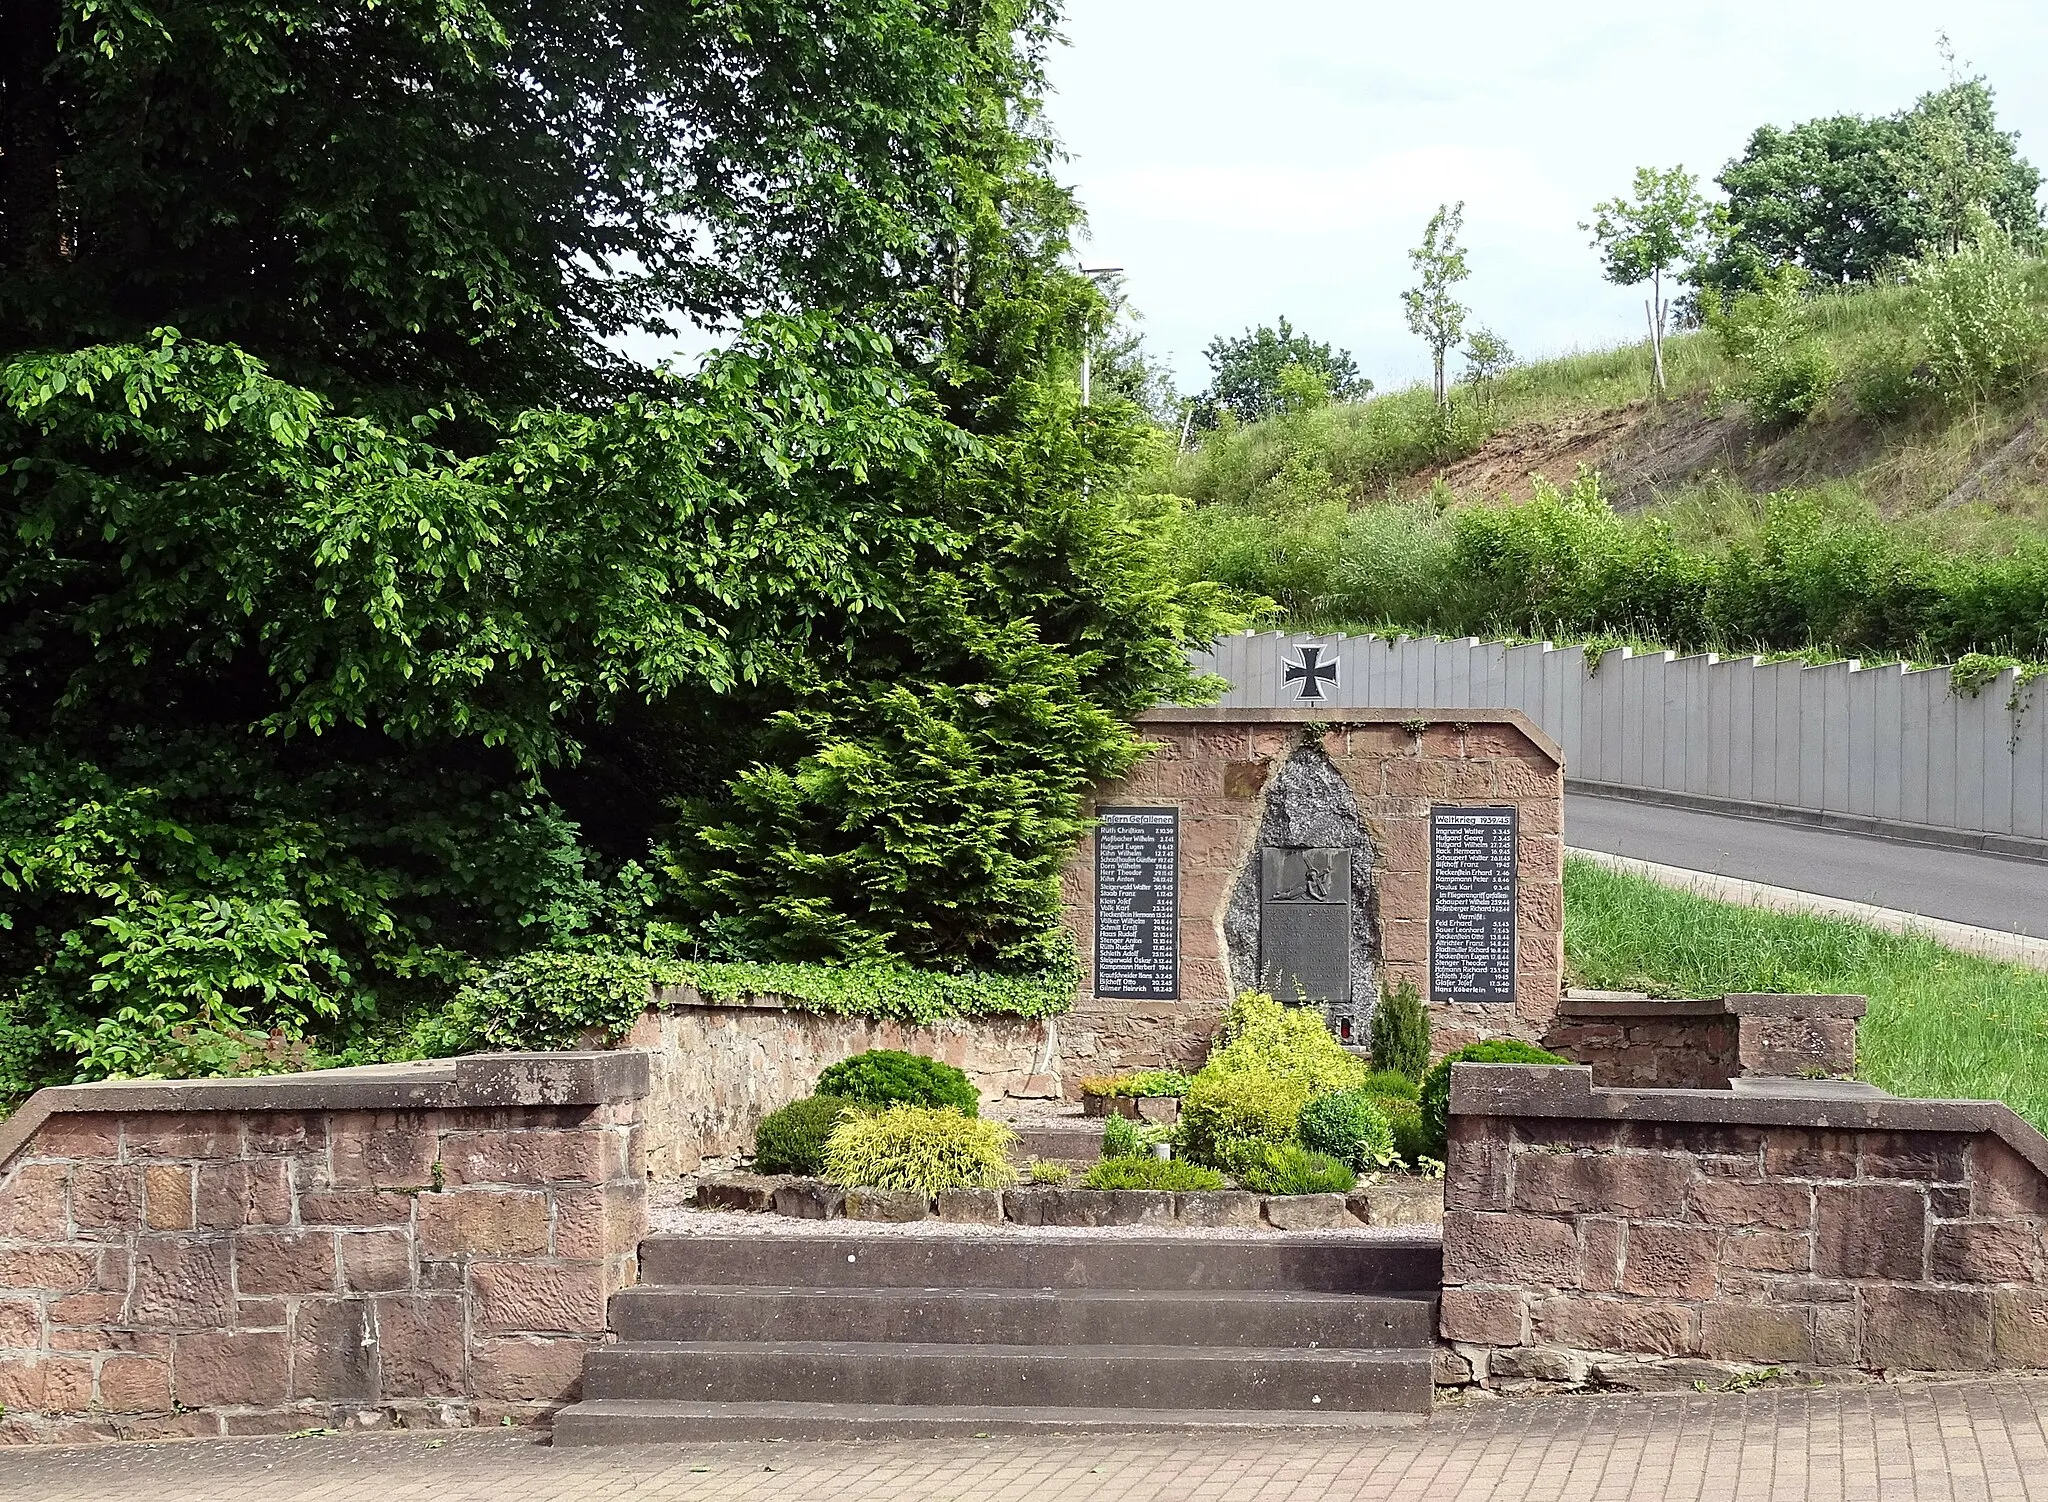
(1247, 160)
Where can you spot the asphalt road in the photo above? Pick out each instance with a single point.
(1962, 886)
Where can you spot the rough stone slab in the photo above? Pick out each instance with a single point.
(1216, 1207)
(981, 1207)
(739, 1191)
(1307, 1212)
(887, 1204)
(1399, 1203)
(810, 1199)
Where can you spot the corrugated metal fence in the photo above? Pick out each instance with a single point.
(1845, 744)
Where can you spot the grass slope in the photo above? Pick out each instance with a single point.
(1941, 1024)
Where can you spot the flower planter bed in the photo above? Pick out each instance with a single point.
(1401, 1201)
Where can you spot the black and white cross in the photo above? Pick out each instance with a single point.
(1311, 672)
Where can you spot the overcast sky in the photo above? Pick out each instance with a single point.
(1246, 160)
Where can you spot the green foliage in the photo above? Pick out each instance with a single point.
(1981, 330)
(1047, 1174)
(1225, 1110)
(1645, 237)
(1163, 1084)
(1940, 1024)
(1404, 1122)
(1392, 1085)
(1350, 1126)
(1488, 357)
(1266, 371)
(920, 1148)
(1885, 387)
(1435, 1101)
(1434, 315)
(1260, 1035)
(1850, 198)
(887, 1076)
(1400, 1033)
(1289, 1168)
(1151, 1173)
(793, 1139)
(1120, 1137)
(1785, 371)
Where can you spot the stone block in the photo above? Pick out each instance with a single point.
(1758, 1333)
(1767, 1251)
(67, 1385)
(420, 1346)
(528, 1370)
(979, 1207)
(135, 1384)
(1308, 1212)
(1537, 1364)
(1869, 1231)
(33, 1202)
(1211, 1207)
(491, 1222)
(1599, 1184)
(1927, 1329)
(1448, 1368)
(1611, 1324)
(266, 1133)
(1939, 1156)
(1734, 1203)
(1834, 1335)
(1798, 1046)
(810, 1199)
(566, 1298)
(376, 1261)
(285, 1262)
(2019, 1327)
(1484, 1316)
(221, 1369)
(2003, 1184)
(738, 1191)
(355, 1207)
(1481, 1153)
(1982, 1252)
(1399, 1202)
(1806, 1153)
(80, 1136)
(525, 1157)
(1599, 1254)
(334, 1351)
(181, 1134)
(383, 1149)
(1482, 1247)
(180, 1283)
(898, 1205)
(1669, 1261)
(1700, 1139)
(106, 1197)
(50, 1269)
(167, 1197)
(254, 1192)
(601, 1221)
(21, 1324)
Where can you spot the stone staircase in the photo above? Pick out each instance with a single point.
(855, 1336)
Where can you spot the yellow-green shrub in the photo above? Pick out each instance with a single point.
(923, 1148)
(1227, 1109)
(1293, 1043)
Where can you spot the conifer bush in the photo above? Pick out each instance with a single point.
(1290, 1168)
(888, 1076)
(1436, 1089)
(1400, 1033)
(1151, 1173)
(1350, 1126)
(792, 1140)
(920, 1148)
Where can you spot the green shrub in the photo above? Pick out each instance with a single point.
(1227, 1110)
(1120, 1138)
(1435, 1100)
(1404, 1121)
(1391, 1086)
(1045, 1172)
(1982, 331)
(1151, 1173)
(922, 1148)
(792, 1140)
(887, 1077)
(1290, 1168)
(1158, 1084)
(1400, 1033)
(1886, 387)
(1786, 373)
(1293, 1043)
(1349, 1126)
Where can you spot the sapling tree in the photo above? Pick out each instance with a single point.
(1434, 315)
(1487, 359)
(1643, 238)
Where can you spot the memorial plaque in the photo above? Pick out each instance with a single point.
(1305, 925)
(1472, 904)
(1137, 903)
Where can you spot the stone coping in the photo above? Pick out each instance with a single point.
(1790, 1006)
(1538, 737)
(482, 1081)
(1568, 1093)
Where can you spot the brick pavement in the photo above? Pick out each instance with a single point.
(1962, 1440)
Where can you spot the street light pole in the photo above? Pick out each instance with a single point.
(1094, 274)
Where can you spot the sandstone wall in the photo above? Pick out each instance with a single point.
(1635, 1041)
(1632, 1237)
(427, 1244)
(718, 1069)
(1216, 766)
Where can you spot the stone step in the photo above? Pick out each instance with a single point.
(631, 1421)
(1006, 1376)
(1270, 1262)
(1010, 1316)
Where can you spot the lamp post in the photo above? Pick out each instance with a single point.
(1094, 274)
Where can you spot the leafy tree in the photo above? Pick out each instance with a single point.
(1980, 327)
(1643, 238)
(1849, 198)
(412, 629)
(1487, 359)
(1246, 373)
(1434, 316)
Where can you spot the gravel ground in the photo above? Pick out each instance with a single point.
(669, 1216)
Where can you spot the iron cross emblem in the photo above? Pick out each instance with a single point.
(1311, 672)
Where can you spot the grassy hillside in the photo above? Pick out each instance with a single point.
(1351, 515)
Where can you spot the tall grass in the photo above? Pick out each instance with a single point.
(1941, 1024)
